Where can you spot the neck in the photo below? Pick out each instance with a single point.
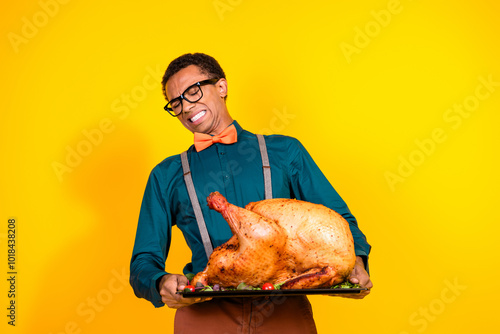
(223, 124)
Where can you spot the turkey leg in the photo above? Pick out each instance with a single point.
(314, 278)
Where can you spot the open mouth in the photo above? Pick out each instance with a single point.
(198, 116)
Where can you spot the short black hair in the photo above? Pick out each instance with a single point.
(207, 64)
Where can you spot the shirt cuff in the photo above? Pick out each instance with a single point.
(156, 298)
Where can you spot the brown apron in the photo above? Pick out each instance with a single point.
(277, 314)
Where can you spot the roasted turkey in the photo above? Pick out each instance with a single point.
(296, 243)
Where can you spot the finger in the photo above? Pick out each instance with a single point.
(182, 281)
(363, 294)
(365, 282)
(369, 284)
(360, 295)
(189, 301)
(354, 280)
(179, 298)
(178, 305)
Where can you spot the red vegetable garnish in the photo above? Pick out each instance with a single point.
(189, 288)
(267, 286)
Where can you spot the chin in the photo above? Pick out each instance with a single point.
(193, 129)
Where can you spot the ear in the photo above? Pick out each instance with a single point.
(222, 88)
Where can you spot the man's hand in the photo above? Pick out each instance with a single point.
(361, 277)
(168, 287)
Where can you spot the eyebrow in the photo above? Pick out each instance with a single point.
(182, 91)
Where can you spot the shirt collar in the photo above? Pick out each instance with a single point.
(239, 129)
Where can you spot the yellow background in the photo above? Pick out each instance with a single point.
(67, 70)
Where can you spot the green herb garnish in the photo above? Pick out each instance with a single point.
(346, 285)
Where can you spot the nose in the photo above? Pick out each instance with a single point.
(187, 106)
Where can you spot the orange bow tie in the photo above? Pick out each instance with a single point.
(202, 140)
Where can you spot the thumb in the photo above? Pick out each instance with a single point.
(353, 278)
(182, 281)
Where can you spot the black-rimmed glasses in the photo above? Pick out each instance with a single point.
(192, 94)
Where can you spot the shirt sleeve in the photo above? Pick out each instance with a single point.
(308, 183)
(152, 241)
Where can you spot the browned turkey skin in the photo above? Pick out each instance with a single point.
(299, 244)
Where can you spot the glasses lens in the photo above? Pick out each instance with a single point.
(176, 106)
(193, 93)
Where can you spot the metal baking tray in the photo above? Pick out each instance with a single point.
(267, 293)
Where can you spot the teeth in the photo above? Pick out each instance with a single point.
(198, 116)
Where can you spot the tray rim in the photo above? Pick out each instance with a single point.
(270, 293)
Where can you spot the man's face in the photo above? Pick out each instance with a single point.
(209, 114)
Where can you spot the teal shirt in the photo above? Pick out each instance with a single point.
(235, 171)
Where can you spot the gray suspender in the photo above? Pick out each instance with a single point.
(194, 198)
(265, 167)
(196, 205)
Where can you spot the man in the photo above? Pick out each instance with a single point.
(227, 159)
